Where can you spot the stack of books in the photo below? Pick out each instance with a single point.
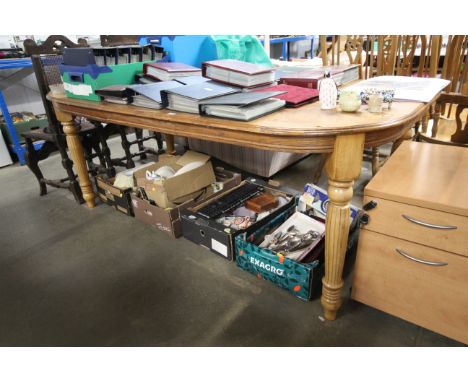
(222, 88)
(238, 73)
(310, 78)
(166, 71)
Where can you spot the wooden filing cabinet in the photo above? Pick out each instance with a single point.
(412, 258)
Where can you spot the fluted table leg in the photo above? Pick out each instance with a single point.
(77, 156)
(343, 166)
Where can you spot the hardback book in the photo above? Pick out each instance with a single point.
(238, 73)
(192, 80)
(166, 71)
(243, 106)
(149, 95)
(140, 78)
(115, 94)
(310, 78)
(186, 98)
(294, 96)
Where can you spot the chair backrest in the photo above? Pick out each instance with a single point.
(429, 56)
(405, 56)
(330, 48)
(54, 44)
(46, 69)
(455, 68)
(360, 49)
(46, 59)
(387, 54)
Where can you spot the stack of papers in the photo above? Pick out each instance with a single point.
(406, 88)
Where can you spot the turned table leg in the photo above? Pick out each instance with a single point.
(343, 166)
(77, 156)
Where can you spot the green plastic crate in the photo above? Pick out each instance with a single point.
(22, 127)
(82, 85)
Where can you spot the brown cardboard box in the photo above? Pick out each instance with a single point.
(171, 192)
(114, 196)
(168, 219)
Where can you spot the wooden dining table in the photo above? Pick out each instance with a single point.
(307, 129)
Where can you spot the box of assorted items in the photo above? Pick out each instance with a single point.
(115, 191)
(168, 219)
(82, 76)
(23, 121)
(289, 250)
(215, 222)
(174, 179)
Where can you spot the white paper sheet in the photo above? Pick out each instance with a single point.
(406, 88)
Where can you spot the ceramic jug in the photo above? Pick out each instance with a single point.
(327, 92)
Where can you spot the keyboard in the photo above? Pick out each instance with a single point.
(230, 201)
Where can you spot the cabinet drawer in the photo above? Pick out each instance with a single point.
(432, 296)
(389, 218)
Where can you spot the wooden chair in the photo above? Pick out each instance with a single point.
(450, 119)
(55, 44)
(360, 50)
(48, 75)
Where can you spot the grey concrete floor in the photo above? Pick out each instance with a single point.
(71, 276)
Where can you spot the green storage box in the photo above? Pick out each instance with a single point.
(82, 81)
(22, 127)
(300, 279)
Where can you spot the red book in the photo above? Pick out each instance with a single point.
(166, 71)
(296, 96)
(310, 78)
(238, 73)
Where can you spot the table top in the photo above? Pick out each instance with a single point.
(426, 175)
(304, 129)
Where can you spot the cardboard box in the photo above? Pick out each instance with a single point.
(117, 196)
(301, 279)
(168, 219)
(215, 236)
(114, 196)
(171, 192)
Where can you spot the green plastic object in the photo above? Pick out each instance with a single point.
(121, 74)
(23, 127)
(241, 47)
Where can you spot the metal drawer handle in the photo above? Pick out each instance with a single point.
(433, 263)
(413, 220)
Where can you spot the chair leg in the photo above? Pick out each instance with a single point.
(318, 172)
(126, 146)
(141, 147)
(159, 140)
(110, 170)
(67, 164)
(375, 160)
(435, 125)
(424, 123)
(32, 162)
(88, 151)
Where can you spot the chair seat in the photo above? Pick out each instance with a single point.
(42, 133)
(46, 133)
(446, 134)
